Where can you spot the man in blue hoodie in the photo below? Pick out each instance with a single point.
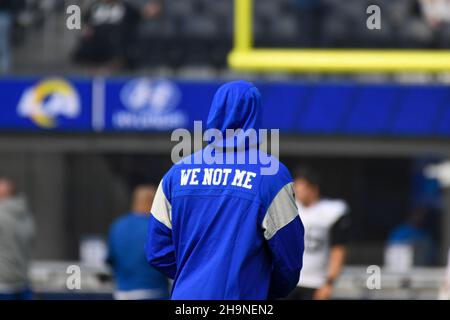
(226, 231)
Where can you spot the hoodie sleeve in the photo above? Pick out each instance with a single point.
(159, 249)
(284, 232)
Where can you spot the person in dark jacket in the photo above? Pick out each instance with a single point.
(8, 10)
(109, 32)
(227, 231)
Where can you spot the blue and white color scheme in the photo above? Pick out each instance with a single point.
(226, 231)
(44, 102)
(48, 104)
(146, 104)
(155, 105)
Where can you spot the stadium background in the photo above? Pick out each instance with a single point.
(372, 136)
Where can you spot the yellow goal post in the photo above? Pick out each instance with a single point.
(245, 57)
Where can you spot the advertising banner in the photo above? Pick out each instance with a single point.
(162, 105)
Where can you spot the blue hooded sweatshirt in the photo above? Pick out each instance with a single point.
(226, 231)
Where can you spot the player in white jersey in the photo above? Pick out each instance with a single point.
(326, 225)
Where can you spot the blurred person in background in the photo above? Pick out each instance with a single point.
(16, 235)
(8, 9)
(135, 279)
(444, 292)
(310, 15)
(109, 29)
(436, 12)
(437, 16)
(327, 227)
(414, 234)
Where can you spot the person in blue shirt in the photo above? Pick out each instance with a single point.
(134, 278)
(227, 231)
(414, 234)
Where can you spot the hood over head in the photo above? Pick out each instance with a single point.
(236, 105)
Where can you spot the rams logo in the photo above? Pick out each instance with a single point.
(49, 99)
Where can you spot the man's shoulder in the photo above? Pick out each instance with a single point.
(335, 205)
(272, 184)
(280, 173)
(120, 221)
(332, 209)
